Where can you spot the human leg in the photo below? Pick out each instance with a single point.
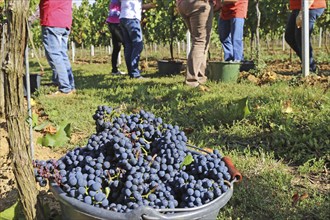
(116, 37)
(225, 38)
(290, 33)
(237, 25)
(132, 35)
(128, 44)
(53, 40)
(66, 60)
(313, 15)
(198, 17)
(135, 33)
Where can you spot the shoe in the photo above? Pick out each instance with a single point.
(52, 84)
(203, 88)
(118, 73)
(140, 78)
(59, 93)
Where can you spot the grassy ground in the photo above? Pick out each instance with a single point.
(282, 147)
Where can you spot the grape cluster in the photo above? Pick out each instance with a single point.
(44, 170)
(138, 160)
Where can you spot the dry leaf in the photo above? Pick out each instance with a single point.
(268, 77)
(203, 88)
(295, 199)
(50, 129)
(257, 107)
(253, 79)
(144, 65)
(188, 130)
(286, 108)
(303, 196)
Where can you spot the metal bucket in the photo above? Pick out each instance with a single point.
(73, 209)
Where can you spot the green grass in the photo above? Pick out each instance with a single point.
(279, 154)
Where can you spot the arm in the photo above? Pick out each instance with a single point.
(299, 17)
(217, 5)
(310, 2)
(148, 6)
(225, 2)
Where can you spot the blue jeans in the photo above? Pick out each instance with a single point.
(55, 41)
(293, 35)
(133, 45)
(231, 37)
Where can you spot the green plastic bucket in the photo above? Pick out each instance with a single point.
(223, 71)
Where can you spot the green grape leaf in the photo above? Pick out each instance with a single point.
(187, 160)
(35, 118)
(9, 213)
(65, 126)
(41, 126)
(60, 138)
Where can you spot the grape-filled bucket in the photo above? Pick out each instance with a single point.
(73, 209)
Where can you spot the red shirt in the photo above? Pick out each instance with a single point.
(56, 13)
(296, 4)
(234, 10)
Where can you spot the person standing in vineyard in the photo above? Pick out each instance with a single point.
(116, 34)
(230, 28)
(197, 16)
(130, 21)
(293, 35)
(56, 21)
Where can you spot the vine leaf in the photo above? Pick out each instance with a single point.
(10, 212)
(187, 160)
(60, 138)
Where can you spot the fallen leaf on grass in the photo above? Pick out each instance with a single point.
(268, 77)
(297, 198)
(253, 79)
(50, 129)
(286, 108)
(204, 88)
(303, 196)
(33, 102)
(188, 130)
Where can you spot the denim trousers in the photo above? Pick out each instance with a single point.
(133, 45)
(117, 40)
(197, 16)
(231, 36)
(293, 34)
(55, 41)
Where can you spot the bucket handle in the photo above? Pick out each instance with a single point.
(233, 171)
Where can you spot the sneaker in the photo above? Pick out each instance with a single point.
(52, 84)
(59, 93)
(140, 78)
(119, 73)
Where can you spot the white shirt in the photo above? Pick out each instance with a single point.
(131, 9)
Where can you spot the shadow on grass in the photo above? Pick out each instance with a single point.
(290, 138)
(293, 139)
(268, 195)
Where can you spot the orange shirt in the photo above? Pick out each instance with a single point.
(296, 4)
(234, 10)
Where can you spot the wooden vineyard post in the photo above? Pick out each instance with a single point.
(15, 111)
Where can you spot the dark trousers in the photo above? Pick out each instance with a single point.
(117, 40)
(293, 35)
(132, 36)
